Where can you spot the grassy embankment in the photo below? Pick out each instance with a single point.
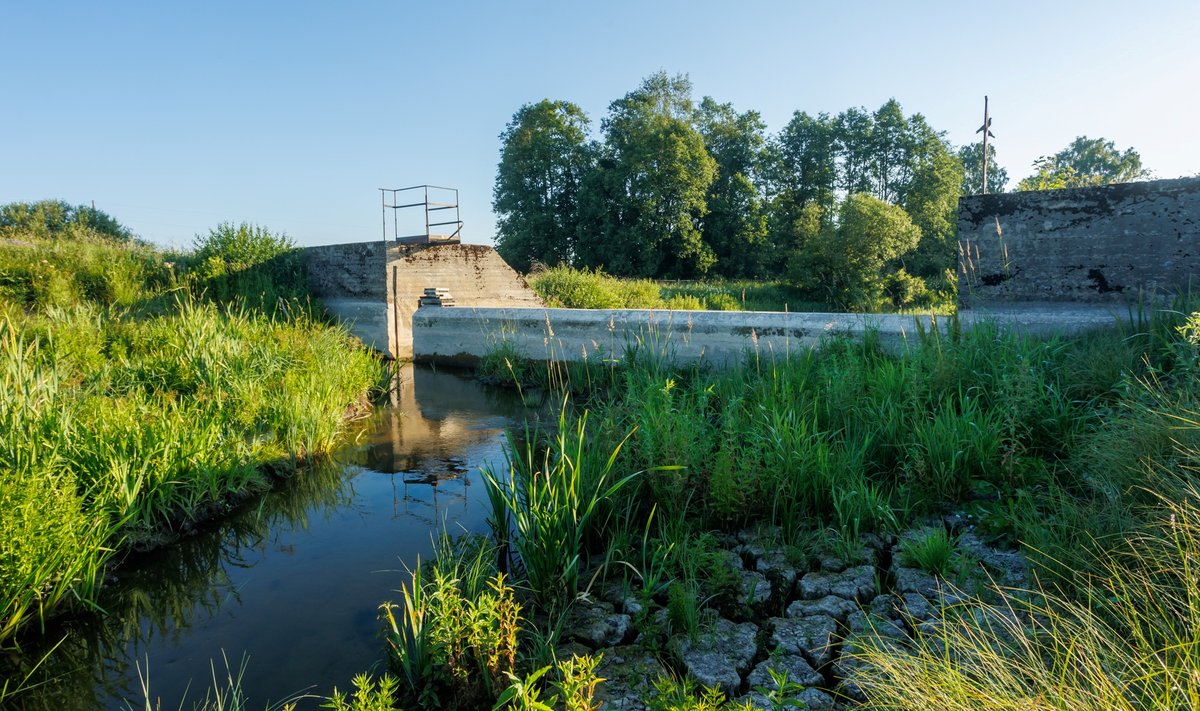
(1082, 452)
(583, 289)
(141, 392)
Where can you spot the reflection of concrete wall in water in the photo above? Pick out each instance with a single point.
(373, 287)
(1098, 245)
(435, 417)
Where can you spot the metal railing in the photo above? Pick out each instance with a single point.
(417, 196)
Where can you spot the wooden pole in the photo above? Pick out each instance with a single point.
(986, 131)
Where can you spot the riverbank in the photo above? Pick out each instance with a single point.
(986, 519)
(144, 392)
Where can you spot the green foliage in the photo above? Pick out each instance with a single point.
(55, 219)
(544, 158)
(1086, 162)
(641, 208)
(367, 695)
(683, 695)
(933, 552)
(454, 641)
(971, 156)
(505, 363)
(678, 191)
(553, 498)
(248, 263)
(848, 262)
(39, 274)
(593, 289)
(782, 695)
(683, 609)
(127, 410)
(1125, 640)
(956, 446)
(736, 224)
(903, 290)
(456, 636)
(586, 289)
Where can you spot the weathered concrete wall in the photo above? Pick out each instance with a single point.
(475, 275)
(373, 287)
(1107, 244)
(463, 336)
(351, 282)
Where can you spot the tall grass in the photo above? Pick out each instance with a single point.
(1129, 639)
(545, 507)
(1082, 450)
(130, 407)
(587, 289)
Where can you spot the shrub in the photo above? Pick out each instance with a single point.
(721, 301)
(904, 290)
(55, 219)
(248, 263)
(846, 264)
(684, 303)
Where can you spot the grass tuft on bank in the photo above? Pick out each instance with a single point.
(572, 288)
(142, 392)
(1079, 452)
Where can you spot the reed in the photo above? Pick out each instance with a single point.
(130, 405)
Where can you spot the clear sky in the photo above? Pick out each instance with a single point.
(174, 116)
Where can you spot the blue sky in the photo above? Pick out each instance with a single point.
(174, 116)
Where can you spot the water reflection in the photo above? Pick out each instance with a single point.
(293, 580)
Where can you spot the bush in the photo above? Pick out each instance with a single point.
(846, 264)
(248, 263)
(55, 219)
(904, 290)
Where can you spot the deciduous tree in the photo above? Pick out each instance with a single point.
(1085, 162)
(642, 207)
(849, 264)
(735, 228)
(971, 156)
(544, 158)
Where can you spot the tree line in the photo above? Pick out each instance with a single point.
(855, 208)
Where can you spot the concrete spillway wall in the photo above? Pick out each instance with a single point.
(1044, 262)
(1110, 244)
(373, 287)
(463, 336)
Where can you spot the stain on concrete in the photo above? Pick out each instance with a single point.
(1038, 245)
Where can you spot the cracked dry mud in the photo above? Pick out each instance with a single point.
(808, 622)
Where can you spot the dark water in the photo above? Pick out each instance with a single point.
(291, 585)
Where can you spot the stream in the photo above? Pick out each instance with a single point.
(288, 588)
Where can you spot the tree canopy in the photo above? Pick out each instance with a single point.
(543, 162)
(971, 156)
(674, 188)
(1086, 162)
(642, 207)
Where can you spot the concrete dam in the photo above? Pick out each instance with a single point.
(1046, 262)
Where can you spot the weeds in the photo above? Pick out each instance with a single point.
(129, 406)
(933, 552)
(552, 497)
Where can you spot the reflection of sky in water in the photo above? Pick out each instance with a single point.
(295, 581)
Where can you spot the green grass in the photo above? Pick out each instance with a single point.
(586, 289)
(1084, 451)
(933, 552)
(553, 497)
(132, 402)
